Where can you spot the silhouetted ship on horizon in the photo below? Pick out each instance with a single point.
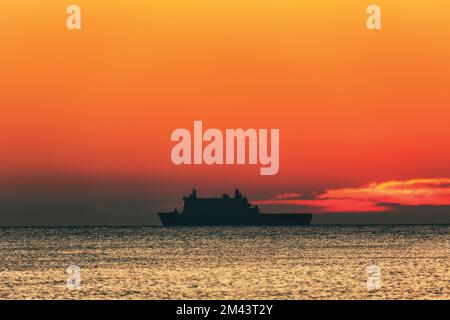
(227, 211)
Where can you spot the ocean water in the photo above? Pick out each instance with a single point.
(315, 262)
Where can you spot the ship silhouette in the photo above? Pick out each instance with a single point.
(227, 211)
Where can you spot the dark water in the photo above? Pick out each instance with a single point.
(240, 263)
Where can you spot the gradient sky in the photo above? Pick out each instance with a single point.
(91, 112)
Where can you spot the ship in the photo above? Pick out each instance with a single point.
(228, 211)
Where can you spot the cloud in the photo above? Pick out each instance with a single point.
(373, 197)
(287, 195)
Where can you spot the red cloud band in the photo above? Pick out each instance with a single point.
(373, 197)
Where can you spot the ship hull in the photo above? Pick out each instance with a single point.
(279, 219)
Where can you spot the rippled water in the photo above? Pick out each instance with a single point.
(226, 263)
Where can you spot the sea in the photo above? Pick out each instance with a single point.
(304, 262)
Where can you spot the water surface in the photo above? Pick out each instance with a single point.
(315, 262)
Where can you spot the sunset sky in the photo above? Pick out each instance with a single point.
(86, 115)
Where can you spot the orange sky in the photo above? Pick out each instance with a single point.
(353, 106)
